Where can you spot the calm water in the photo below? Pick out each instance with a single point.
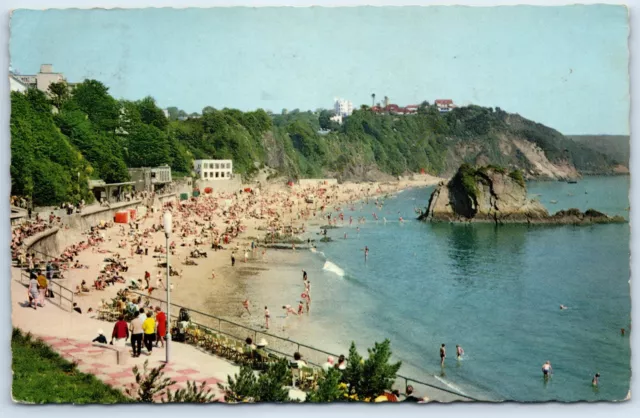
(496, 291)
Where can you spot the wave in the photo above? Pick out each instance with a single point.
(315, 251)
(450, 385)
(333, 268)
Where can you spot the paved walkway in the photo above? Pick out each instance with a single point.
(94, 359)
(70, 334)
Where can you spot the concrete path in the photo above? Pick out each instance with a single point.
(70, 334)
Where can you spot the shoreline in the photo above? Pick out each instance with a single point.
(223, 295)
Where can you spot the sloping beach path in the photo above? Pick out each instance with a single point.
(70, 334)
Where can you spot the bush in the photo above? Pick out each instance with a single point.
(517, 176)
(150, 384)
(269, 387)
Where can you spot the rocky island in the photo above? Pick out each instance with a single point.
(491, 194)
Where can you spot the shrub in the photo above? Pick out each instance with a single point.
(269, 387)
(150, 384)
(192, 394)
(329, 388)
(517, 176)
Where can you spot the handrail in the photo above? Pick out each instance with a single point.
(298, 344)
(25, 275)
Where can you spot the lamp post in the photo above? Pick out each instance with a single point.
(167, 223)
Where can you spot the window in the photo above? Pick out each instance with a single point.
(222, 175)
(228, 165)
(206, 174)
(217, 165)
(217, 174)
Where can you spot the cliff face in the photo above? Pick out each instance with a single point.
(490, 194)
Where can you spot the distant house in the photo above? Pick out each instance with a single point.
(16, 85)
(148, 179)
(337, 119)
(444, 105)
(213, 169)
(411, 109)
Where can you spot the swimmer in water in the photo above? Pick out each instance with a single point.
(547, 370)
(366, 253)
(594, 381)
(562, 307)
(459, 351)
(384, 219)
(345, 235)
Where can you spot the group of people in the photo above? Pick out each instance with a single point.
(146, 327)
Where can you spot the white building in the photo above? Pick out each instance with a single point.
(343, 107)
(42, 80)
(213, 169)
(337, 119)
(16, 85)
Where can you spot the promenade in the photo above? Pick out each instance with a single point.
(70, 334)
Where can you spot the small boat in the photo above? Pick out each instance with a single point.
(572, 181)
(553, 201)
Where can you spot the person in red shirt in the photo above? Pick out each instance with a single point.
(120, 332)
(161, 326)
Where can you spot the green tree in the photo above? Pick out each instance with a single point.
(378, 374)
(270, 386)
(59, 93)
(147, 147)
(328, 389)
(151, 114)
(92, 97)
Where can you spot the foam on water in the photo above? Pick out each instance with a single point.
(333, 268)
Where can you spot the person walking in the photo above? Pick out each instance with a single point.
(266, 316)
(233, 260)
(33, 292)
(161, 326)
(459, 352)
(443, 354)
(136, 334)
(120, 332)
(149, 329)
(43, 284)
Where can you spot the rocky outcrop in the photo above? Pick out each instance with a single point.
(490, 194)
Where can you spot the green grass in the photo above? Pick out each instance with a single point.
(40, 375)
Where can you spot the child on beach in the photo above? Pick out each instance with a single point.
(300, 308)
(245, 304)
(289, 310)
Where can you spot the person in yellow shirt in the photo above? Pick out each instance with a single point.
(149, 329)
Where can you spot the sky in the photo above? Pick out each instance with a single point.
(565, 67)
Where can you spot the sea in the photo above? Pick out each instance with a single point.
(494, 290)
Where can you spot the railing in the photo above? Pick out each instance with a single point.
(60, 292)
(279, 345)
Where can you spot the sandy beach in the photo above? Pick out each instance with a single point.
(240, 218)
